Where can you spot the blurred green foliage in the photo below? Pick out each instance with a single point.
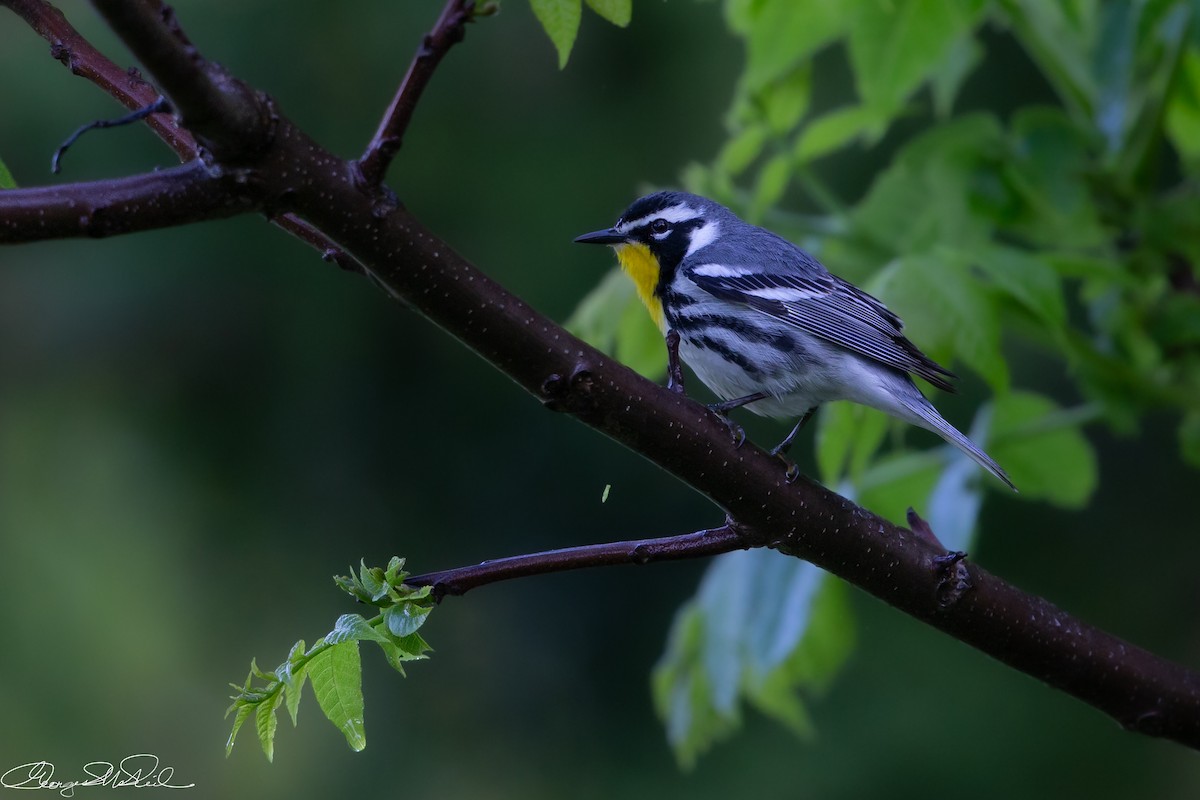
(195, 423)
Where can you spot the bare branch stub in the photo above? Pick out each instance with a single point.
(448, 31)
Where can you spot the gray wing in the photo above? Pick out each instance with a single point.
(828, 307)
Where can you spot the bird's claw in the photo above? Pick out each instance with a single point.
(735, 430)
(791, 471)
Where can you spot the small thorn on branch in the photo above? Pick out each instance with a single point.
(921, 528)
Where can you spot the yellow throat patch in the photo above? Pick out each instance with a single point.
(641, 265)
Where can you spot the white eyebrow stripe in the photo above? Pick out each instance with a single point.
(676, 214)
(703, 236)
(720, 271)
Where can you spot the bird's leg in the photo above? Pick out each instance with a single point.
(722, 410)
(674, 366)
(780, 450)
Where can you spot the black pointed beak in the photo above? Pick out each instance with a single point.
(609, 236)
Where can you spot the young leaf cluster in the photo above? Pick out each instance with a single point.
(333, 665)
(560, 19)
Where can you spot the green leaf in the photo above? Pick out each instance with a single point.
(336, 675)
(772, 182)
(244, 710)
(1043, 450)
(265, 722)
(835, 129)
(847, 436)
(6, 178)
(612, 319)
(1176, 321)
(405, 618)
(295, 688)
(896, 44)
(964, 55)
(639, 343)
(394, 574)
(898, 480)
(371, 579)
(560, 19)
(941, 189)
(946, 310)
(618, 12)
(1050, 155)
(1057, 40)
(785, 100)
(1028, 280)
(782, 33)
(1183, 108)
(353, 628)
(740, 152)
(413, 646)
(1161, 44)
(761, 627)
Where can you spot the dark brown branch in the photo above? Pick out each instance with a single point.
(449, 29)
(187, 193)
(77, 54)
(639, 551)
(223, 113)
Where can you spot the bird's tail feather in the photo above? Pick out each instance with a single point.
(932, 420)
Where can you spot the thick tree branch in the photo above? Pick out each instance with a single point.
(1143, 692)
(710, 542)
(225, 115)
(187, 193)
(449, 30)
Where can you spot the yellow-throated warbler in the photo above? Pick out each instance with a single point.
(764, 325)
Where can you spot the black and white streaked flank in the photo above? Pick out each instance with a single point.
(756, 314)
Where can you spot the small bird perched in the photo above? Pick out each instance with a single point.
(764, 325)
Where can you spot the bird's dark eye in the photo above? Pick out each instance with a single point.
(660, 226)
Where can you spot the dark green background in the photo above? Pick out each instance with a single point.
(198, 427)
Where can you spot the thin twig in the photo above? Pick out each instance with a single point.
(78, 55)
(449, 30)
(159, 106)
(699, 544)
